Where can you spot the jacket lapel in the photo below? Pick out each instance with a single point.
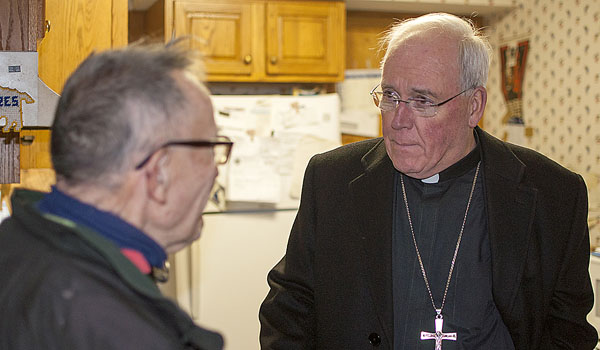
(372, 196)
(511, 208)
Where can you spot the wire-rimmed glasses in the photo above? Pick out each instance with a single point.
(389, 101)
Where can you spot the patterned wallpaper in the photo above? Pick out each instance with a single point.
(561, 85)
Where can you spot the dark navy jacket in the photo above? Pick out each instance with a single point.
(66, 287)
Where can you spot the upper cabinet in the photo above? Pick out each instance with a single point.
(227, 35)
(76, 28)
(266, 41)
(305, 38)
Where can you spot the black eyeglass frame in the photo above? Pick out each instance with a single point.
(377, 100)
(218, 141)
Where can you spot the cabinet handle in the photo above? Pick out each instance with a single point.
(273, 59)
(47, 26)
(247, 59)
(27, 140)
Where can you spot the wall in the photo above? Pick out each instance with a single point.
(561, 97)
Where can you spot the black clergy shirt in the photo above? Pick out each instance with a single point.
(437, 211)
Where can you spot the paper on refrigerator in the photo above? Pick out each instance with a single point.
(267, 133)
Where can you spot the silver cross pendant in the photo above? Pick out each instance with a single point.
(439, 335)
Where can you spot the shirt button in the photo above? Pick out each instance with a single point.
(374, 339)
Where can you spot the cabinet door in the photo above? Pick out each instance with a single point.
(37, 153)
(77, 28)
(305, 38)
(225, 34)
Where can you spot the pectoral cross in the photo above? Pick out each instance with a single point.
(438, 335)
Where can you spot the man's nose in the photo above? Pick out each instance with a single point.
(402, 116)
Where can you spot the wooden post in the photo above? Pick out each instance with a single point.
(21, 25)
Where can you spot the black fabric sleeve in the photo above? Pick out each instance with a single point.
(287, 314)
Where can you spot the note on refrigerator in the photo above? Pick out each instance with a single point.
(267, 132)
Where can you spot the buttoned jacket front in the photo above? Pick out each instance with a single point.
(333, 288)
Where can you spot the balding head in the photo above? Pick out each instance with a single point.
(473, 49)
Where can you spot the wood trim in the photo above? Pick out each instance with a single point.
(169, 25)
(37, 23)
(14, 25)
(342, 48)
(119, 23)
(259, 41)
(21, 24)
(9, 158)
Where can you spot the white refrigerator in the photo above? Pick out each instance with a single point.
(222, 278)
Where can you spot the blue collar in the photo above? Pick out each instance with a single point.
(106, 224)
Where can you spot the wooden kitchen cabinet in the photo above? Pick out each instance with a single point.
(77, 28)
(227, 35)
(35, 148)
(263, 41)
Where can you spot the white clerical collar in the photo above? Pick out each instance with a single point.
(432, 179)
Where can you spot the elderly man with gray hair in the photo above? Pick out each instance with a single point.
(437, 235)
(135, 149)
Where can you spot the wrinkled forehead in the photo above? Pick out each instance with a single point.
(433, 54)
(433, 41)
(425, 32)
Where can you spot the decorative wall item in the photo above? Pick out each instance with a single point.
(513, 57)
(18, 90)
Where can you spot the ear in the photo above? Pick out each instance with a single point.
(477, 103)
(157, 176)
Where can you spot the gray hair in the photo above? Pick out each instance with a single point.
(117, 106)
(474, 49)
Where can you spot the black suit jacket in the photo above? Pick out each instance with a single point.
(333, 288)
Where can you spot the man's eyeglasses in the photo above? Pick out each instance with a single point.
(389, 101)
(221, 146)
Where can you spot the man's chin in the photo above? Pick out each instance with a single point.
(180, 245)
(407, 168)
(199, 228)
(188, 240)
